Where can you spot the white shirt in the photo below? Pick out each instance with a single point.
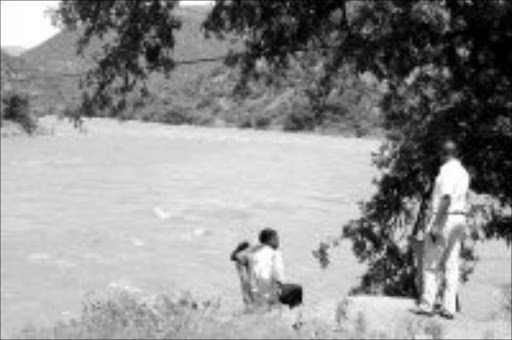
(264, 269)
(266, 264)
(452, 180)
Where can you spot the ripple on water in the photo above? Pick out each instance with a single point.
(100, 259)
(39, 257)
(137, 242)
(45, 258)
(124, 285)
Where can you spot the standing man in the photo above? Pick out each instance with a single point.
(444, 234)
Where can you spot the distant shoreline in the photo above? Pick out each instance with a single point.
(11, 129)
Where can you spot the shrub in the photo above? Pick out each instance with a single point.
(244, 121)
(200, 118)
(299, 120)
(181, 116)
(174, 116)
(16, 108)
(262, 121)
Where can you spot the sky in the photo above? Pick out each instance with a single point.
(24, 23)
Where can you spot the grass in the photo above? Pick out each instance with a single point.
(507, 301)
(124, 315)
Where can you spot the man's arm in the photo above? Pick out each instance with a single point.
(239, 255)
(441, 214)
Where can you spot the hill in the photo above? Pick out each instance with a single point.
(58, 55)
(18, 75)
(12, 68)
(56, 59)
(14, 51)
(201, 93)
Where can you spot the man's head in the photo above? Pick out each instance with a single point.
(448, 150)
(269, 237)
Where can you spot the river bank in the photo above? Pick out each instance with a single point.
(125, 315)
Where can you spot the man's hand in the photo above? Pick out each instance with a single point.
(435, 235)
(476, 234)
(440, 217)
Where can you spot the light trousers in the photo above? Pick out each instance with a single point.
(441, 264)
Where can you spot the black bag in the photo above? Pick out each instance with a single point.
(291, 295)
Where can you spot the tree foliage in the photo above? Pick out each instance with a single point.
(445, 65)
(446, 68)
(136, 38)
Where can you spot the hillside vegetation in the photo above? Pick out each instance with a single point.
(202, 93)
(14, 51)
(14, 105)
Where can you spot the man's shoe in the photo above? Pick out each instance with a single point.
(424, 309)
(446, 314)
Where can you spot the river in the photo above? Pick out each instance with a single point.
(151, 208)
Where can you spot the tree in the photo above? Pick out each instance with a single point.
(136, 39)
(446, 67)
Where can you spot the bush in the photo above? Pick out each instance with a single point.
(174, 116)
(255, 120)
(16, 108)
(262, 121)
(299, 120)
(181, 116)
(244, 121)
(200, 118)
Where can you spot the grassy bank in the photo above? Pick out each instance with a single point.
(127, 316)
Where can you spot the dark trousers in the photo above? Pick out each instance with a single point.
(291, 295)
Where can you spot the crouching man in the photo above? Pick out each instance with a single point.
(261, 272)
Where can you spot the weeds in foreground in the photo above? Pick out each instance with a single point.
(124, 315)
(423, 329)
(507, 304)
(129, 317)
